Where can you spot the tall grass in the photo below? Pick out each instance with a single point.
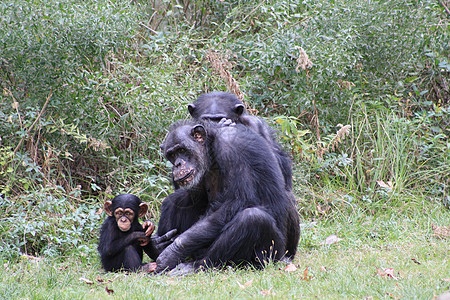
(397, 153)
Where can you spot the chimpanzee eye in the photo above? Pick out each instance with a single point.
(170, 154)
(181, 150)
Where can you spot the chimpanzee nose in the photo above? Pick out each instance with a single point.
(178, 162)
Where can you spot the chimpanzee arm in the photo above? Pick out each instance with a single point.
(257, 125)
(180, 210)
(159, 243)
(200, 235)
(112, 242)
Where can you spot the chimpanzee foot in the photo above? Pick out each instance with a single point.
(149, 267)
(182, 269)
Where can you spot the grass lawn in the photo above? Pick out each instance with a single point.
(398, 255)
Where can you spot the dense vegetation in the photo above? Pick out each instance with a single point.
(359, 91)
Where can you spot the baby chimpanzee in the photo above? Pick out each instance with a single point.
(123, 239)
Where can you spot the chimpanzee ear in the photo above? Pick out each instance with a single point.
(239, 109)
(143, 207)
(191, 109)
(107, 208)
(199, 133)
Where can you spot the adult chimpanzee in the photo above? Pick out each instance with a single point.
(245, 214)
(218, 105)
(122, 237)
(183, 208)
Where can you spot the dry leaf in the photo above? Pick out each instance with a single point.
(441, 232)
(245, 285)
(380, 272)
(267, 293)
(305, 275)
(331, 239)
(446, 279)
(444, 296)
(389, 186)
(324, 269)
(290, 268)
(345, 85)
(33, 259)
(110, 292)
(303, 61)
(415, 260)
(222, 65)
(101, 280)
(87, 281)
(390, 295)
(323, 209)
(389, 272)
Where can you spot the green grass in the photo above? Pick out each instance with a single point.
(402, 240)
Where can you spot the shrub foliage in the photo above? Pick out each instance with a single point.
(358, 89)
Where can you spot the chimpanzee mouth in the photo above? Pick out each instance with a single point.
(187, 178)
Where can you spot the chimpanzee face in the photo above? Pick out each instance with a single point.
(124, 218)
(184, 148)
(126, 209)
(216, 106)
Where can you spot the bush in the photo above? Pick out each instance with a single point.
(370, 50)
(41, 224)
(89, 90)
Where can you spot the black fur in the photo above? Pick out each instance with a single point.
(238, 210)
(121, 250)
(181, 209)
(218, 105)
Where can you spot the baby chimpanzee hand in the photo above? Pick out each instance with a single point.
(149, 227)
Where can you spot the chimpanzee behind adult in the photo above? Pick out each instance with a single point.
(123, 239)
(246, 214)
(184, 207)
(218, 105)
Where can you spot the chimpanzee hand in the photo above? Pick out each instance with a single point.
(149, 227)
(143, 241)
(140, 238)
(170, 257)
(155, 245)
(226, 122)
(161, 242)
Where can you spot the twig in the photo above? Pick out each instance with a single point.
(290, 26)
(16, 107)
(153, 31)
(34, 123)
(445, 6)
(229, 32)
